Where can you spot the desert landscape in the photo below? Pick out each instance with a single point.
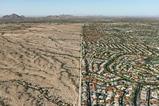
(79, 52)
(39, 64)
(84, 61)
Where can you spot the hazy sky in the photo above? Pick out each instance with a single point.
(80, 7)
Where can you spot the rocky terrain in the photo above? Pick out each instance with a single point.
(39, 64)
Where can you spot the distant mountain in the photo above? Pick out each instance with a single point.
(52, 18)
(13, 17)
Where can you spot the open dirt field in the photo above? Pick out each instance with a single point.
(39, 64)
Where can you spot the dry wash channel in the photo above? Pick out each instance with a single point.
(39, 64)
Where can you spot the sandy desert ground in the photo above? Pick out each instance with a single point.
(39, 64)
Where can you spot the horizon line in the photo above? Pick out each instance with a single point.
(86, 15)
